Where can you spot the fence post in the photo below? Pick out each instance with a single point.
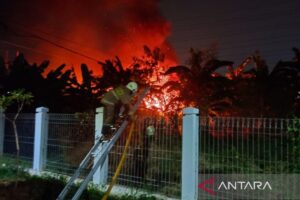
(40, 139)
(190, 153)
(2, 128)
(100, 176)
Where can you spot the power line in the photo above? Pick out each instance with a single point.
(66, 48)
(34, 50)
(49, 34)
(202, 38)
(58, 45)
(127, 37)
(28, 48)
(183, 50)
(199, 38)
(265, 54)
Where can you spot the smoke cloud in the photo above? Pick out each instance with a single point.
(100, 29)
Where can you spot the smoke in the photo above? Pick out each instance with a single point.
(100, 29)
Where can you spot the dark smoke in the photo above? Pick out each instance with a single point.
(101, 29)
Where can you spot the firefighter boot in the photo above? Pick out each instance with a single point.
(108, 131)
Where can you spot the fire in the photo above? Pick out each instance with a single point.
(95, 29)
(153, 102)
(160, 101)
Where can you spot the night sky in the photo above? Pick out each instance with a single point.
(237, 28)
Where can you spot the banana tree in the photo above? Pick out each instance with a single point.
(200, 84)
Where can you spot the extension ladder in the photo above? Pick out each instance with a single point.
(107, 146)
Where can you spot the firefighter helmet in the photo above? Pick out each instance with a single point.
(150, 130)
(132, 86)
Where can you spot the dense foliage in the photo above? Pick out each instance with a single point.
(250, 89)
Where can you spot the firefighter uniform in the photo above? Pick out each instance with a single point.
(115, 99)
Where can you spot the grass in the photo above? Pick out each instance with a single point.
(22, 185)
(12, 169)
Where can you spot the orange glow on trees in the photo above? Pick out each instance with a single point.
(149, 70)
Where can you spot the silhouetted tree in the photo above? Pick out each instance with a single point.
(200, 85)
(114, 74)
(84, 96)
(250, 89)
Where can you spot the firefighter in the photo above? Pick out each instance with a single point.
(114, 100)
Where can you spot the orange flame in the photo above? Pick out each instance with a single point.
(99, 29)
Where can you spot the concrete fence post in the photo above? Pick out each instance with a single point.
(190, 154)
(40, 139)
(2, 128)
(101, 175)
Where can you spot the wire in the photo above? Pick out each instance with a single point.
(28, 48)
(57, 45)
(48, 34)
(42, 52)
(66, 48)
(288, 8)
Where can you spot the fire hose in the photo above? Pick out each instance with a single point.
(118, 170)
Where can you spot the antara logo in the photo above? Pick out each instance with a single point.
(203, 185)
(245, 185)
(208, 185)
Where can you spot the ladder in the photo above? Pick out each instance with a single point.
(107, 146)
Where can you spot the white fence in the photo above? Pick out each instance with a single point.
(228, 145)
(58, 142)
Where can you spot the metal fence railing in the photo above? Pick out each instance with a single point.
(249, 145)
(228, 145)
(70, 136)
(152, 162)
(25, 128)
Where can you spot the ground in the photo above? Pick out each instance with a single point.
(32, 189)
(16, 184)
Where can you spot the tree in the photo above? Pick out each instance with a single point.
(249, 84)
(18, 98)
(285, 84)
(200, 85)
(264, 92)
(114, 74)
(149, 70)
(49, 89)
(83, 96)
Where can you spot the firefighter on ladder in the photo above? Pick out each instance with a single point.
(117, 102)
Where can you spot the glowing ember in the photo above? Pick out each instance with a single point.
(162, 101)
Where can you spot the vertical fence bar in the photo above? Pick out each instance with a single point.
(40, 138)
(2, 127)
(101, 175)
(190, 151)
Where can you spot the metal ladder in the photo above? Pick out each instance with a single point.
(107, 146)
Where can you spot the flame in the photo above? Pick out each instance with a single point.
(96, 29)
(161, 101)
